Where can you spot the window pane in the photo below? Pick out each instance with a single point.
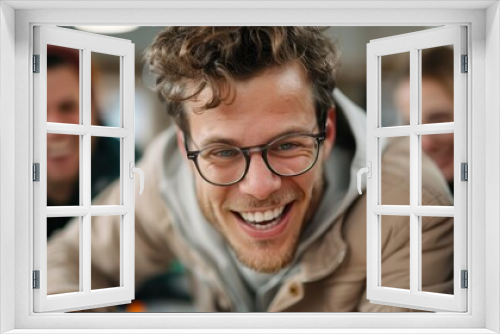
(395, 251)
(395, 172)
(63, 85)
(55, 257)
(105, 89)
(106, 261)
(395, 98)
(437, 169)
(437, 254)
(63, 170)
(105, 166)
(437, 85)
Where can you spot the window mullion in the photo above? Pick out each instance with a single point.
(67, 129)
(419, 129)
(423, 211)
(392, 131)
(80, 130)
(127, 157)
(108, 210)
(103, 131)
(414, 170)
(373, 156)
(85, 251)
(66, 211)
(85, 166)
(433, 129)
(377, 170)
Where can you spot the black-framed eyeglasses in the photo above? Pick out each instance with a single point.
(289, 155)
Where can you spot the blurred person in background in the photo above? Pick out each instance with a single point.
(254, 190)
(63, 151)
(63, 169)
(437, 105)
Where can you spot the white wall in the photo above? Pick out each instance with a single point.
(7, 160)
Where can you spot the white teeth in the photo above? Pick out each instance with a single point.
(260, 216)
(277, 211)
(268, 215)
(266, 226)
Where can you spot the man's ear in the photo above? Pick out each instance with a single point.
(331, 130)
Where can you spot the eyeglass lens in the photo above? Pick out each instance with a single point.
(289, 156)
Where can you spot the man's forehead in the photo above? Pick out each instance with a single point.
(287, 81)
(249, 128)
(278, 100)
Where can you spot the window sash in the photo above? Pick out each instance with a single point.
(83, 130)
(87, 43)
(413, 42)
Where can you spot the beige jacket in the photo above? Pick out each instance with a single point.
(329, 275)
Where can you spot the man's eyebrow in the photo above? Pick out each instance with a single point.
(219, 140)
(229, 141)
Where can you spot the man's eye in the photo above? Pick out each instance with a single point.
(286, 146)
(225, 153)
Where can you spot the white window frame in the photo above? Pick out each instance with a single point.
(412, 43)
(16, 21)
(124, 51)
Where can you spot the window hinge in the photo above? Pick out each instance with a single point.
(465, 279)
(464, 172)
(36, 63)
(465, 64)
(36, 172)
(36, 279)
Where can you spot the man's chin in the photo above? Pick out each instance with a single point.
(266, 259)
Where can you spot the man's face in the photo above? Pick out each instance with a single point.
(437, 107)
(276, 102)
(62, 107)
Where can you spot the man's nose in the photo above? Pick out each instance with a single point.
(259, 182)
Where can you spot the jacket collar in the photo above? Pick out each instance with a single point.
(325, 255)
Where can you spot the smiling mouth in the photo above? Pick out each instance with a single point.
(57, 150)
(263, 220)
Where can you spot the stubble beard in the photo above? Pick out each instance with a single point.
(262, 255)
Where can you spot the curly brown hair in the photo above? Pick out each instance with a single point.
(213, 57)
